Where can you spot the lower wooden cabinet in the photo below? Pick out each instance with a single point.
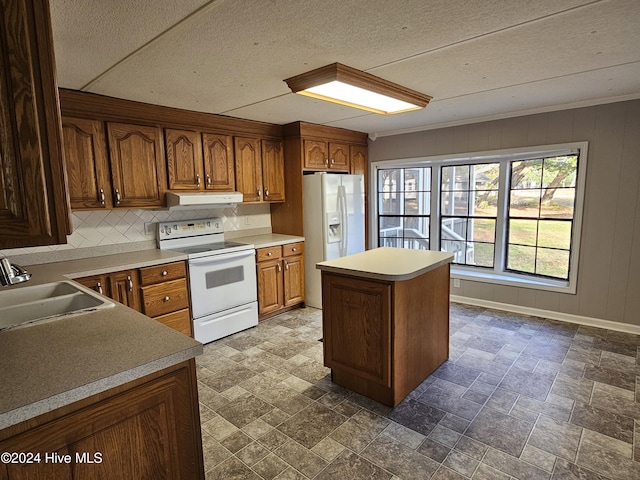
(383, 338)
(147, 428)
(280, 272)
(160, 292)
(125, 288)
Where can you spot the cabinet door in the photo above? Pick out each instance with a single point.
(316, 156)
(85, 154)
(184, 159)
(338, 156)
(137, 165)
(248, 168)
(34, 203)
(293, 280)
(270, 294)
(218, 162)
(150, 431)
(356, 327)
(273, 170)
(124, 287)
(99, 283)
(358, 158)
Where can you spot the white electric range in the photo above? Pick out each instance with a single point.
(222, 276)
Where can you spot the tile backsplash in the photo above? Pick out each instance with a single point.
(95, 228)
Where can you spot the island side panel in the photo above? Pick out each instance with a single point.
(357, 331)
(420, 329)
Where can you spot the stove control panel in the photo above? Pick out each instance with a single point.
(189, 228)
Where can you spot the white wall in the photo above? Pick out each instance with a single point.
(609, 266)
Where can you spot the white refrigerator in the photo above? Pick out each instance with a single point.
(333, 224)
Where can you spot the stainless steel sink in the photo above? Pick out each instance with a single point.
(47, 301)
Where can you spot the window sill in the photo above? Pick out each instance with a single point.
(512, 280)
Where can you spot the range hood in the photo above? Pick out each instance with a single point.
(192, 200)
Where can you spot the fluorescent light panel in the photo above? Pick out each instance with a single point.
(347, 86)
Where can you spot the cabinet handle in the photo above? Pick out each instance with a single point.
(164, 273)
(101, 196)
(98, 288)
(332, 161)
(266, 192)
(326, 161)
(208, 180)
(197, 179)
(130, 283)
(166, 299)
(286, 265)
(117, 197)
(279, 267)
(269, 254)
(294, 249)
(259, 193)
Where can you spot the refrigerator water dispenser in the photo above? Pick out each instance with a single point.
(334, 227)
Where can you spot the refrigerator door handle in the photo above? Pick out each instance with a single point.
(342, 200)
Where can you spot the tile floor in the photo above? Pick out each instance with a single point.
(521, 397)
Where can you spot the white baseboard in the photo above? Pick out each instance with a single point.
(537, 312)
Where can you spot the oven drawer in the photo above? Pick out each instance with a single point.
(180, 321)
(268, 253)
(290, 249)
(162, 273)
(165, 297)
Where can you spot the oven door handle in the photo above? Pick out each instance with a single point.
(221, 258)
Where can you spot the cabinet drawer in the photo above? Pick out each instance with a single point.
(268, 253)
(165, 297)
(180, 321)
(293, 249)
(162, 273)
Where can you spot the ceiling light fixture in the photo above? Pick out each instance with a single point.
(347, 86)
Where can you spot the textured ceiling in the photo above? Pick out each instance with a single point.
(478, 59)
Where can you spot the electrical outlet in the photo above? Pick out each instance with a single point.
(247, 220)
(456, 283)
(149, 228)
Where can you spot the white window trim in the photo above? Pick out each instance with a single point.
(481, 274)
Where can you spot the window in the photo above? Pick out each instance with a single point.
(507, 216)
(468, 212)
(542, 194)
(404, 206)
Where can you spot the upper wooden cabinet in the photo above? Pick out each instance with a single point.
(321, 155)
(199, 161)
(309, 147)
(184, 159)
(85, 153)
(218, 162)
(273, 171)
(137, 165)
(359, 163)
(259, 169)
(248, 168)
(34, 204)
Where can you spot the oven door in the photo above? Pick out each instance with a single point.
(223, 281)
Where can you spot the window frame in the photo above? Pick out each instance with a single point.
(499, 274)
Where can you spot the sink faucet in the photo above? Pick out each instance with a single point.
(12, 274)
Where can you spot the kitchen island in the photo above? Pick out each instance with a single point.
(385, 319)
(112, 391)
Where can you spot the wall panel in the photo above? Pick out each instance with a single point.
(609, 264)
